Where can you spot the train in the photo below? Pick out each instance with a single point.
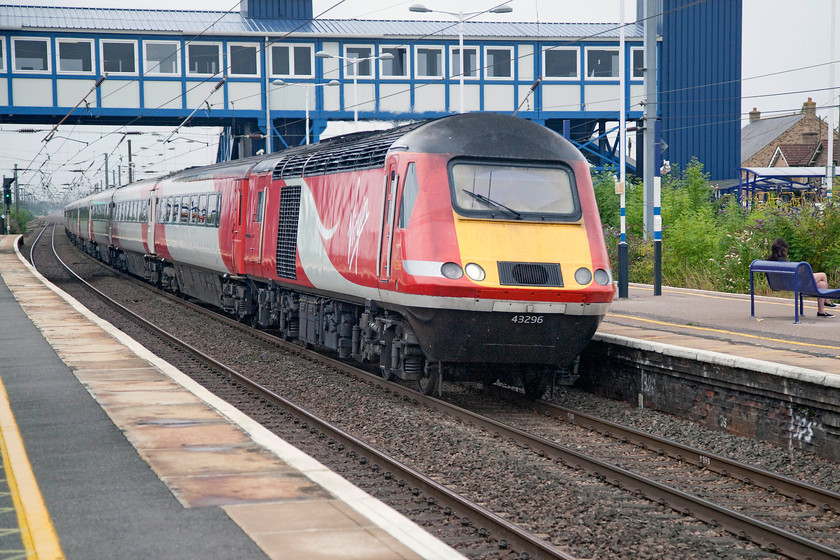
(465, 248)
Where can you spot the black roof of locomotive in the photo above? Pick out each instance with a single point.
(484, 135)
(489, 135)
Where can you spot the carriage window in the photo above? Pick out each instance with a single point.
(185, 210)
(259, 213)
(514, 191)
(213, 210)
(409, 195)
(194, 209)
(202, 209)
(391, 202)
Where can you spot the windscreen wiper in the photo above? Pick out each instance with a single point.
(490, 202)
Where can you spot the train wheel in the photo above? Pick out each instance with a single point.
(430, 382)
(535, 384)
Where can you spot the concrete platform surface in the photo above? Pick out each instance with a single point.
(721, 323)
(112, 453)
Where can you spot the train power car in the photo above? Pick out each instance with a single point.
(464, 248)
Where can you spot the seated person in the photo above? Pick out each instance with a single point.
(779, 252)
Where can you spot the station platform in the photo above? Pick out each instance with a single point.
(111, 453)
(720, 323)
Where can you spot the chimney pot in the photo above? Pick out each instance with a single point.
(755, 115)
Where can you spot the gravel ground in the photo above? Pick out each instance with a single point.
(572, 510)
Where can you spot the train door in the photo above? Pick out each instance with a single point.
(255, 225)
(240, 204)
(151, 220)
(389, 208)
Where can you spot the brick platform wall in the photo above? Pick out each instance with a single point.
(797, 412)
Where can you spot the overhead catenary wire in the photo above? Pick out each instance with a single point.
(443, 79)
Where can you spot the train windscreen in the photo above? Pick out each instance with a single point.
(514, 191)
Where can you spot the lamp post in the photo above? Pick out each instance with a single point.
(355, 62)
(462, 16)
(309, 87)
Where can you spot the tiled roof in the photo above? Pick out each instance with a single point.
(758, 134)
(798, 155)
(233, 23)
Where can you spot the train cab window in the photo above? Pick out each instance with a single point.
(514, 191)
(409, 195)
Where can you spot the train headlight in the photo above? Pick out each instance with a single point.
(583, 276)
(602, 277)
(451, 270)
(475, 272)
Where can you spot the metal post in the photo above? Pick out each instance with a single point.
(308, 89)
(355, 62)
(130, 165)
(652, 217)
(17, 191)
(650, 113)
(6, 216)
(461, 57)
(268, 131)
(623, 264)
(829, 164)
(106, 172)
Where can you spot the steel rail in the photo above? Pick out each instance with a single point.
(773, 482)
(764, 534)
(506, 533)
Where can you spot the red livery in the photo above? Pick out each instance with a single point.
(467, 247)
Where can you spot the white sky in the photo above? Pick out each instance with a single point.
(781, 40)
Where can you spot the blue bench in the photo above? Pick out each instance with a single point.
(796, 277)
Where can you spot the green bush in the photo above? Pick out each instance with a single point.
(709, 244)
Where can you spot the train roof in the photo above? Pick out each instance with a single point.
(480, 135)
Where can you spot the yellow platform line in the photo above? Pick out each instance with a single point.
(721, 331)
(36, 529)
(731, 297)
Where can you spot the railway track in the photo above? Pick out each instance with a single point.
(472, 517)
(612, 454)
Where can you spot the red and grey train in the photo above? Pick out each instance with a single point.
(467, 247)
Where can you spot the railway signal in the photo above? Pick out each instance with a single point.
(7, 190)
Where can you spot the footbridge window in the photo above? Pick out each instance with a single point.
(203, 58)
(119, 57)
(561, 63)
(161, 57)
(75, 56)
(31, 55)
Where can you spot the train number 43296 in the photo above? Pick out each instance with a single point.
(527, 319)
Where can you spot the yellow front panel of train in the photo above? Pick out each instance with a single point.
(486, 242)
